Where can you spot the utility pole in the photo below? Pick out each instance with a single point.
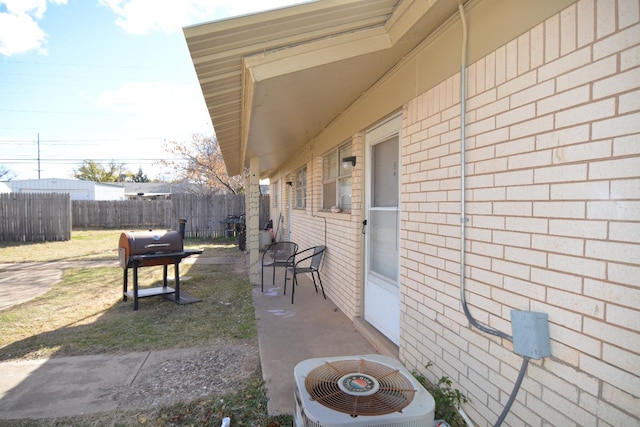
(38, 155)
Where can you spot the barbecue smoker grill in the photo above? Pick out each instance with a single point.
(150, 248)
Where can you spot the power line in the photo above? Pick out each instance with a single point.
(70, 141)
(93, 113)
(75, 160)
(103, 139)
(100, 66)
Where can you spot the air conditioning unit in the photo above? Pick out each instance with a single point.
(359, 391)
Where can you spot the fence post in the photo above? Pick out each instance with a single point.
(183, 225)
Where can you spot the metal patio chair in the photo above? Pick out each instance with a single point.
(278, 254)
(306, 261)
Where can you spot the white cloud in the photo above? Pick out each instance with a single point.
(36, 8)
(20, 34)
(19, 31)
(172, 108)
(144, 16)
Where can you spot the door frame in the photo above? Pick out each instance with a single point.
(381, 132)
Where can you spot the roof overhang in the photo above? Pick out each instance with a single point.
(274, 80)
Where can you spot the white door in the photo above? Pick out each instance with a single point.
(382, 228)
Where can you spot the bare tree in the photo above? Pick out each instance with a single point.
(6, 174)
(203, 164)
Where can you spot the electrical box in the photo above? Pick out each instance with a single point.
(530, 332)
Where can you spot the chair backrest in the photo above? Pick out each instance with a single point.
(281, 251)
(316, 259)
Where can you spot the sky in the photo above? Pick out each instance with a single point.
(101, 80)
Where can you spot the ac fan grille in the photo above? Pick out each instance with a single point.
(394, 394)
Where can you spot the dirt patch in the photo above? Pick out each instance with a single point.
(218, 368)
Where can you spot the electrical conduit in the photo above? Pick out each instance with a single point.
(463, 186)
(463, 222)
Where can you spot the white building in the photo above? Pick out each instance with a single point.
(79, 190)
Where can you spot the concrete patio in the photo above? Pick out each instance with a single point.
(311, 327)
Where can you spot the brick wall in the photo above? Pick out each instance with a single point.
(341, 233)
(553, 190)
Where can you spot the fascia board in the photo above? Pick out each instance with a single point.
(260, 18)
(276, 63)
(405, 17)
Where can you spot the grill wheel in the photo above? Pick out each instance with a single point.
(359, 387)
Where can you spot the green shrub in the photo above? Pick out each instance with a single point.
(446, 397)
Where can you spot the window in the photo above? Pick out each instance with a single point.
(336, 179)
(301, 188)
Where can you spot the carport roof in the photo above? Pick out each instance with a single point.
(274, 80)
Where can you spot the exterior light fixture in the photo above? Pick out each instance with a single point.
(351, 159)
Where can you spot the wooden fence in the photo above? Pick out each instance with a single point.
(126, 214)
(35, 217)
(50, 216)
(205, 214)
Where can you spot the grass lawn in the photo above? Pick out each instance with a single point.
(84, 245)
(85, 314)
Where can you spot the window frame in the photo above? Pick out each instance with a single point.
(344, 173)
(301, 188)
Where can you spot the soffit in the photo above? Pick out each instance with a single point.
(274, 80)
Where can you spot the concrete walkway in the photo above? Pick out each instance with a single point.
(21, 282)
(67, 386)
(290, 333)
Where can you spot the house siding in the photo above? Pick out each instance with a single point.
(553, 201)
